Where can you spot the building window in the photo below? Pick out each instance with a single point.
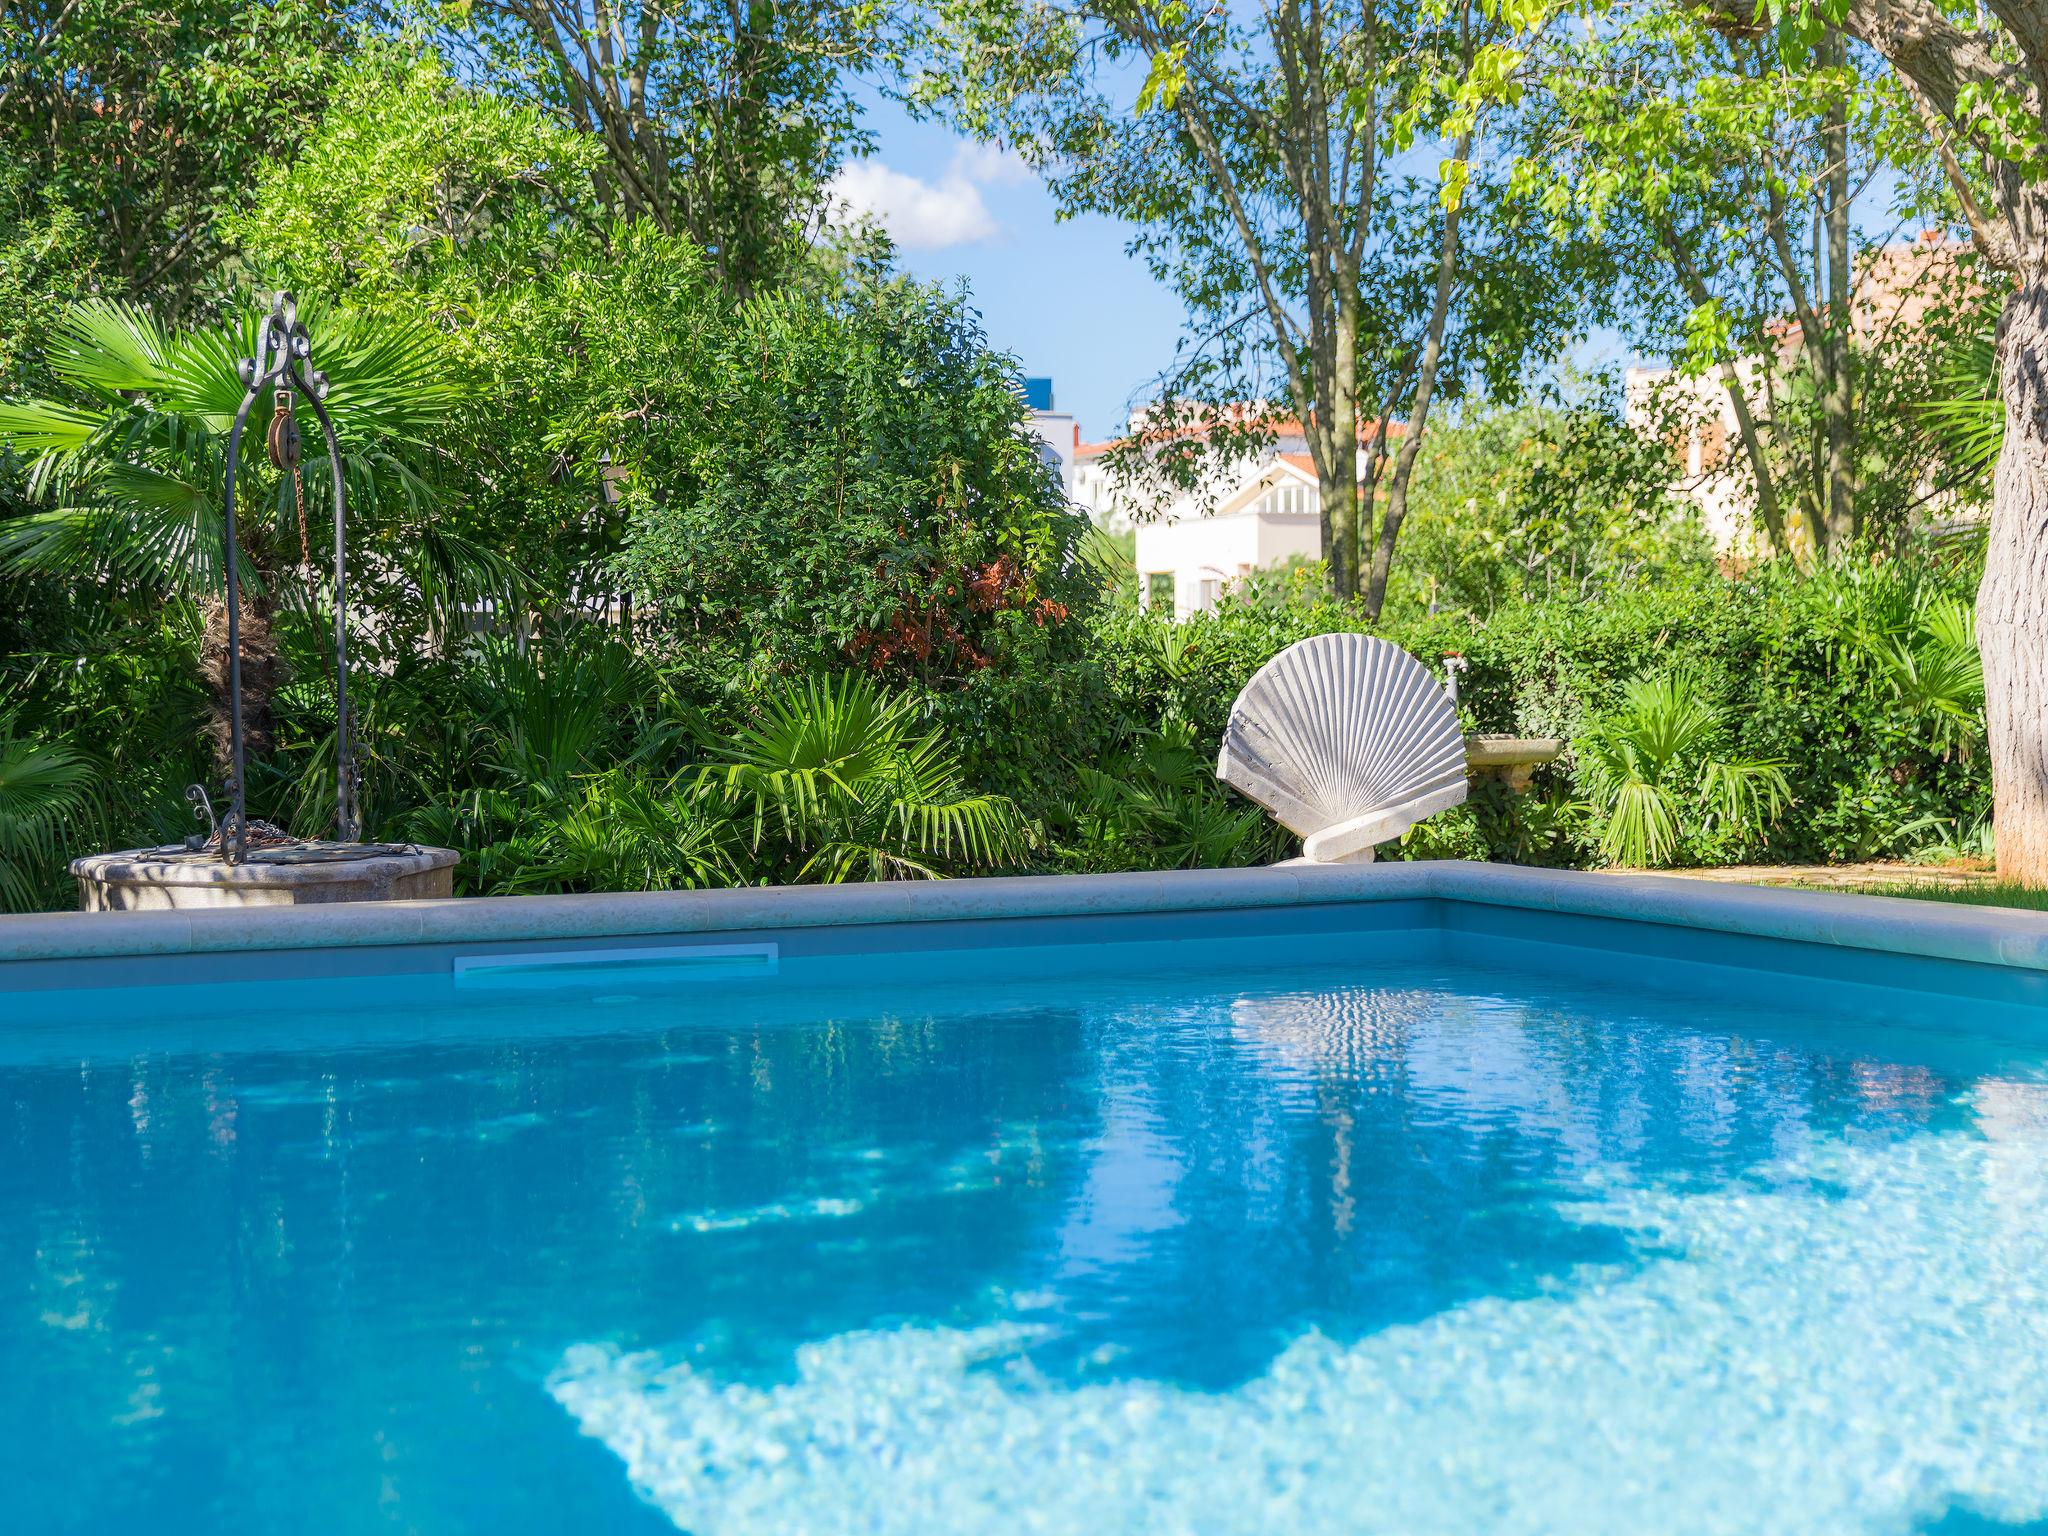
(1206, 593)
(1159, 589)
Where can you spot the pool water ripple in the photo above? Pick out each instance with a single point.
(1369, 1244)
(1850, 1343)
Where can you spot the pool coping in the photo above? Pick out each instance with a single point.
(1896, 925)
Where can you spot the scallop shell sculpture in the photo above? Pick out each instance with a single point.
(1348, 741)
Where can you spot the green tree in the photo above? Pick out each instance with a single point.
(44, 786)
(845, 481)
(149, 120)
(1745, 194)
(1319, 184)
(715, 120)
(1975, 81)
(421, 197)
(46, 265)
(1543, 501)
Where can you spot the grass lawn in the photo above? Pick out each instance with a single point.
(1983, 894)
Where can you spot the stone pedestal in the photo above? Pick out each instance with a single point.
(1511, 759)
(155, 879)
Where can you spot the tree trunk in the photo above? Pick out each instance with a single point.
(1430, 358)
(1333, 439)
(262, 675)
(1768, 508)
(2012, 603)
(1838, 406)
(1340, 526)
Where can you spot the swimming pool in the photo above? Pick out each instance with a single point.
(1403, 1215)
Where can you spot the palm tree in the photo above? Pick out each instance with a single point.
(45, 790)
(838, 781)
(1935, 670)
(1970, 418)
(1649, 770)
(127, 470)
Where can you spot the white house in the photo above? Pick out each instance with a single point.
(1250, 515)
(1709, 471)
(1188, 557)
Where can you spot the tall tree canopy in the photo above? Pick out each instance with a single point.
(720, 120)
(1749, 198)
(1978, 79)
(1319, 183)
(151, 119)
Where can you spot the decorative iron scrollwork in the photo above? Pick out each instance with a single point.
(283, 362)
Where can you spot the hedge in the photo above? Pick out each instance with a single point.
(1794, 659)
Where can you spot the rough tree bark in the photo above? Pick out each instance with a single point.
(2012, 602)
(1333, 447)
(262, 676)
(1939, 61)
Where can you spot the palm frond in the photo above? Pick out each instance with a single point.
(1650, 765)
(110, 348)
(129, 486)
(45, 788)
(1937, 672)
(33, 428)
(844, 778)
(1970, 418)
(1746, 793)
(1641, 826)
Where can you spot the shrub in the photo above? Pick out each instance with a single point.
(1805, 667)
(1656, 779)
(852, 486)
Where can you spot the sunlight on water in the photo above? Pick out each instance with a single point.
(1347, 1243)
(1855, 1343)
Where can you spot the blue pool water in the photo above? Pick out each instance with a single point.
(1343, 1236)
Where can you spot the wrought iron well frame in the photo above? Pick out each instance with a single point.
(283, 360)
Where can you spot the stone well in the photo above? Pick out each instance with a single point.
(155, 879)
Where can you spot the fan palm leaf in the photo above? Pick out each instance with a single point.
(1649, 768)
(110, 349)
(854, 787)
(45, 789)
(1937, 672)
(1970, 418)
(549, 714)
(143, 448)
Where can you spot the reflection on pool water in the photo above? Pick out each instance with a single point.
(1378, 1244)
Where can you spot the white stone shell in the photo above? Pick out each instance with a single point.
(1348, 741)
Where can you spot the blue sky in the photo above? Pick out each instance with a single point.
(1062, 297)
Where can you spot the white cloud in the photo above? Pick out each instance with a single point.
(992, 165)
(929, 215)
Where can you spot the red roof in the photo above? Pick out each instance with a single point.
(1282, 428)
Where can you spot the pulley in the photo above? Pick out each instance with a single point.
(285, 445)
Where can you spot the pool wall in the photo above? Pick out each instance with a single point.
(1468, 908)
